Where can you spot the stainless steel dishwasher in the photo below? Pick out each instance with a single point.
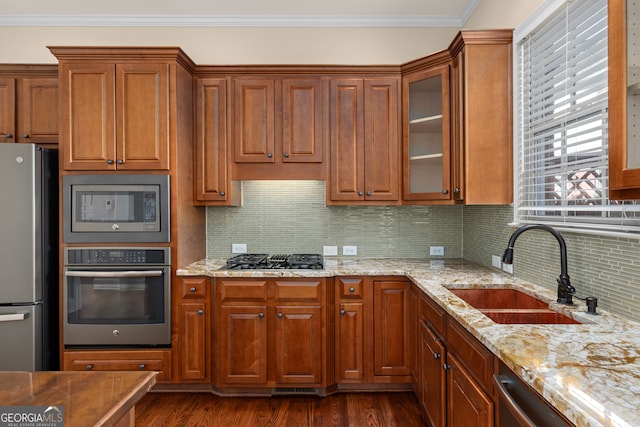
(521, 406)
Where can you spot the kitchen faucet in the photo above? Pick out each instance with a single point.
(565, 289)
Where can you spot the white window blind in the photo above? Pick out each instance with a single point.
(562, 160)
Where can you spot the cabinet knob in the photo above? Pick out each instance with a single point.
(200, 312)
(446, 367)
(269, 155)
(109, 161)
(261, 315)
(25, 135)
(88, 367)
(352, 289)
(456, 190)
(119, 161)
(342, 312)
(436, 356)
(192, 289)
(445, 191)
(8, 135)
(286, 154)
(360, 193)
(369, 193)
(221, 194)
(141, 366)
(279, 315)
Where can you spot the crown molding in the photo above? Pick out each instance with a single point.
(235, 20)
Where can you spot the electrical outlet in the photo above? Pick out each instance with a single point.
(238, 248)
(436, 250)
(349, 250)
(329, 250)
(508, 268)
(496, 261)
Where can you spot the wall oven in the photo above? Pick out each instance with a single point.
(116, 296)
(115, 208)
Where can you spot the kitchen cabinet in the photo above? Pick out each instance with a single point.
(365, 141)
(194, 326)
(455, 371)
(624, 101)
(29, 108)
(278, 121)
(213, 184)
(426, 137)
(119, 360)
(482, 118)
(372, 332)
(272, 333)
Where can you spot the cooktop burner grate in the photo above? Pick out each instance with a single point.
(277, 261)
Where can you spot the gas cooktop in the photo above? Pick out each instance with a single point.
(272, 262)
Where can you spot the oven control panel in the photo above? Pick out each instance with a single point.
(116, 256)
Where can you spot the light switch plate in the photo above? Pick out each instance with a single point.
(349, 250)
(330, 250)
(238, 248)
(436, 250)
(496, 261)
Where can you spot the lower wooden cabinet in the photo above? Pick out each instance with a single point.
(119, 360)
(194, 326)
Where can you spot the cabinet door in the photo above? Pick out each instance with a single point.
(427, 162)
(382, 139)
(254, 120)
(194, 342)
(347, 140)
(38, 121)
(243, 344)
(350, 342)
(302, 123)
(7, 109)
(391, 328)
(87, 116)
(211, 140)
(298, 349)
(467, 404)
(142, 99)
(433, 377)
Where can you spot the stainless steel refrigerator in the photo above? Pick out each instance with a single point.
(28, 258)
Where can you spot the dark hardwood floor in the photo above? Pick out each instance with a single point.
(343, 409)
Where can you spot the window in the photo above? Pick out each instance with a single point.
(561, 129)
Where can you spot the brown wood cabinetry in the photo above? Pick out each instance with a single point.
(213, 185)
(29, 105)
(271, 333)
(116, 360)
(372, 332)
(278, 120)
(365, 141)
(481, 113)
(194, 339)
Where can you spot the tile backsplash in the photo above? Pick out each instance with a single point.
(292, 216)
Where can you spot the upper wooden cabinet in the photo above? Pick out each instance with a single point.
(365, 141)
(29, 106)
(120, 106)
(482, 125)
(278, 120)
(624, 101)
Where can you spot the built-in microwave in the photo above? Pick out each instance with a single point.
(115, 208)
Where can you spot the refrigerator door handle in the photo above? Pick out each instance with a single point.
(145, 273)
(13, 317)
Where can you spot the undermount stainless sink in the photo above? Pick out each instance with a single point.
(510, 306)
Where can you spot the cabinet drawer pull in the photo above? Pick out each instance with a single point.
(279, 315)
(141, 366)
(192, 289)
(261, 315)
(200, 312)
(342, 312)
(352, 289)
(88, 367)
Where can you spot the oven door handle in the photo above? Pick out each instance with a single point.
(138, 273)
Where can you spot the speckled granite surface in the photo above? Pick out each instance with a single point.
(590, 372)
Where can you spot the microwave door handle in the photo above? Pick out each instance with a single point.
(144, 273)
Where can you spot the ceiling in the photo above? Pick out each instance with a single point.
(238, 13)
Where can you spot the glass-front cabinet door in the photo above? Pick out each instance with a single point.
(426, 135)
(624, 99)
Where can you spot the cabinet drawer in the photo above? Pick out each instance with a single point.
(151, 360)
(242, 290)
(194, 287)
(350, 288)
(435, 315)
(299, 290)
(472, 353)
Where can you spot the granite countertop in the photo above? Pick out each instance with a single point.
(86, 398)
(590, 371)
